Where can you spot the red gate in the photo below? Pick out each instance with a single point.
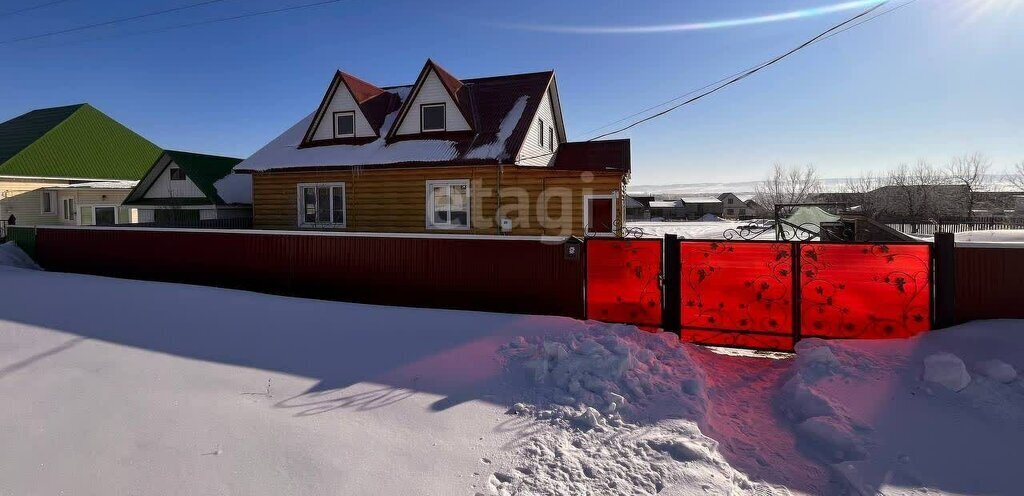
(762, 294)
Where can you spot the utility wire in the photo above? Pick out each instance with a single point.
(829, 33)
(199, 23)
(112, 21)
(747, 73)
(26, 9)
(662, 104)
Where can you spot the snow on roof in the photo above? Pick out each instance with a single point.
(99, 185)
(664, 204)
(503, 107)
(235, 188)
(700, 199)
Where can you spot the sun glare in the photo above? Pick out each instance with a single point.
(971, 10)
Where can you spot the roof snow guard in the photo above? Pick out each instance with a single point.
(497, 111)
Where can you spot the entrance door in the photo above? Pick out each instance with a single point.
(599, 214)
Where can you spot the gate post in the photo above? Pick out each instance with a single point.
(796, 251)
(944, 282)
(670, 284)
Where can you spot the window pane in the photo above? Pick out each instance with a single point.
(441, 204)
(460, 218)
(338, 205)
(433, 118)
(309, 204)
(600, 214)
(540, 137)
(460, 195)
(177, 174)
(346, 124)
(105, 216)
(323, 204)
(551, 138)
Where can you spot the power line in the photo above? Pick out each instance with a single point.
(199, 23)
(26, 9)
(112, 21)
(745, 74)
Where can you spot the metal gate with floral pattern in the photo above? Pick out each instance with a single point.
(761, 294)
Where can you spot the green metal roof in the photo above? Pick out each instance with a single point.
(203, 170)
(76, 141)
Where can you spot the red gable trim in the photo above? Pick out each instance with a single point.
(362, 92)
(453, 85)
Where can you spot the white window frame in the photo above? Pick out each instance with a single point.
(444, 125)
(430, 204)
(92, 208)
(586, 214)
(46, 202)
(69, 209)
(335, 117)
(301, 211)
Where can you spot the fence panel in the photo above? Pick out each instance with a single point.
(865, 291)
(989, 282)
(737, 293)
(623, 282)
(503, 275)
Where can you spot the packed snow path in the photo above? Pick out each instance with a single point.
(122, 387)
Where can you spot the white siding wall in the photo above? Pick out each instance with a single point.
(342, 101)
(24, 199)
(531, 145)
(433, 91)
(163, 187)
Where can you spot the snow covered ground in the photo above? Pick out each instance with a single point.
(996, 236)
(127, 387)
(690, 229)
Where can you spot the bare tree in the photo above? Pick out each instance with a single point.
(910, 192)
(970, 173)
(787, 184)
(859, 190)
(1016, 176)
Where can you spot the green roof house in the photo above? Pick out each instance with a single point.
(69, 165)
(179, 190)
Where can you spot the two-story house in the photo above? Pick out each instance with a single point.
(733, 207)
(443, 155)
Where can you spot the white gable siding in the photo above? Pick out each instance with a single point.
(531, 145)
(163, 187)
(342, 101)
(432, 91)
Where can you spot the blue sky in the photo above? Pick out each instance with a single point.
(936, 78)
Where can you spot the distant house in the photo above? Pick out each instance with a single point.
(667, 210)
(756, 210)
(638, 207)
(696, 207)
(733, 207)
(178, 190)
(442, 155)
(69, 165)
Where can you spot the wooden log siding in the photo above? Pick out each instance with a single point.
(394, 200)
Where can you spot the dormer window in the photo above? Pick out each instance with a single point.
(432, 117)
(344, 124)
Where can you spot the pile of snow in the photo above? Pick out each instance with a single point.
(12, 256)
(605, 376)
(711, 218)
(624, 408)
(942, 411)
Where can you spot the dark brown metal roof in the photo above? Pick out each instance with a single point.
(608, 155)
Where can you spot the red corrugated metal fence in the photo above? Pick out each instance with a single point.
(503, 275)
(989, 282)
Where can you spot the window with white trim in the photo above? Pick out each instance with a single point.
(448, 204)
(540, 134)
(47, 202)
(551, 139)
(321, 204)
(432, 117)
(344, 124)
(69, 209)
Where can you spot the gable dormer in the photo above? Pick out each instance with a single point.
(351, 110)
(546, 130)
(437, 103)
